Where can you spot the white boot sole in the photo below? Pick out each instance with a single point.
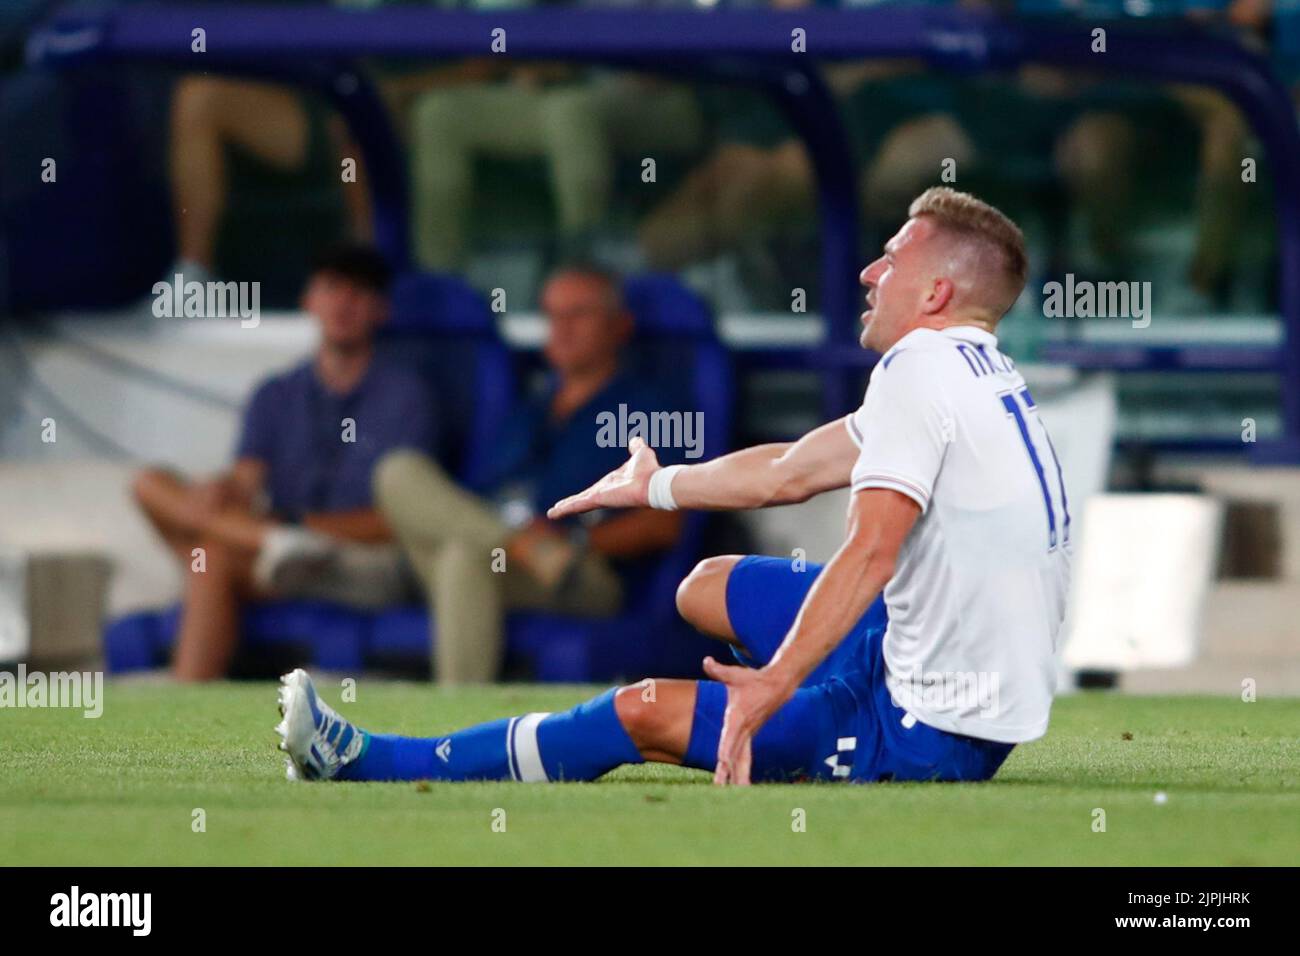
(296, 727)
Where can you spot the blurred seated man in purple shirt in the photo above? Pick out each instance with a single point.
(293, 517)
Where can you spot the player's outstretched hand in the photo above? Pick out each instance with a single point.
(625, 487)
(751, 699)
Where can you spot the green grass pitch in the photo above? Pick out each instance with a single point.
(123, 789)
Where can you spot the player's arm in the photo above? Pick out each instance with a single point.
(768, 475)
(879, 522)
(758, 477)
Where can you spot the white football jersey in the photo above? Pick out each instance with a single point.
(978, 596)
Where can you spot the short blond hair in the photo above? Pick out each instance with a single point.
(968, 217)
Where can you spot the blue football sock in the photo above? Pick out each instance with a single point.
(582, 743)
(479, 753)
(579, 744)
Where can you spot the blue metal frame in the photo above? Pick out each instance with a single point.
(317, 46)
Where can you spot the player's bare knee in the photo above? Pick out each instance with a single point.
(636, 714)
(702, 595)
(651, 712)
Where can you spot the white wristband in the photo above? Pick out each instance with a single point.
(660, 493)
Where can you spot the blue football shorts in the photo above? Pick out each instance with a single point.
(842, 723)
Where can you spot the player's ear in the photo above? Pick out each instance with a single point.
(940, 294)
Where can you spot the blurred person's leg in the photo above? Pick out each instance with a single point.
(901, 124)
(356, 195)
(578, 150)
(466, 603)
(165, 498)
(227, 556)
(425, 506)
(909, 159)
(783, 188)
(469, 599)
(738, 191)
(586, 126)
(1095, 156)
(214, 595)
(217, 552)
(1219, 196)
(591, 589)
(449, 129)
(648, 115)
(209, 113)
(451, 536)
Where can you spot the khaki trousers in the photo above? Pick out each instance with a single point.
(454, 541)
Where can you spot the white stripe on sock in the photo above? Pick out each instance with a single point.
(527, 754)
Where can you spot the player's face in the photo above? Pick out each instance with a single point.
(348, 313)
(895, 285)
(584, 330)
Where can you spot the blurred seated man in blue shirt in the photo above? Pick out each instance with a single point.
(479, 553)
(293, 516)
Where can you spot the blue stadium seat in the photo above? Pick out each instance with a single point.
(446, 328)
(135, 642)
